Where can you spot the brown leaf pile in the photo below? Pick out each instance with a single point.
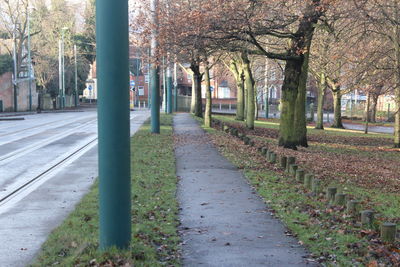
(372, 164)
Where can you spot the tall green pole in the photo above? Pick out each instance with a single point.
(29, 62)
(76, 77)
(169, 88)
(113, 123)
(175, 88)
(154, 71)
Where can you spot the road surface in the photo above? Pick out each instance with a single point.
(47, 163)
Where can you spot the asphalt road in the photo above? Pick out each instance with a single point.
(59, 150)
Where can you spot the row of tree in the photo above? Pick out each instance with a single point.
(47, 21)
(345, 45)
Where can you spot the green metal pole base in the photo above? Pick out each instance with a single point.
(113, 123)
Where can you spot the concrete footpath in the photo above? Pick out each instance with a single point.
(223, 221)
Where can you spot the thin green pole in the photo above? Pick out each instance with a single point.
(169, 88)
(175, 88)
(29, 62)
(113, 123)
(154, 72)
(76, 77)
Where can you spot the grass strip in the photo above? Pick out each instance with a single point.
(332, 237)
(155, 240)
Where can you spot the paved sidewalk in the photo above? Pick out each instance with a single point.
(224, 222)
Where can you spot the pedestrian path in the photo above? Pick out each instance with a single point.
(223, 221)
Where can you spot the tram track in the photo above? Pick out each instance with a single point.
(17, 191)
(82, 149)
(46, 124)
(27, 149)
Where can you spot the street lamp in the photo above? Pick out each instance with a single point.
(76, 78)
(62, 68)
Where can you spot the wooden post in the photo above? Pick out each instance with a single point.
(308, 179)
(367, 217)
(272, 158)
(226, 128)
(330, 194)
(316, 186)
(282, 162)
(388, 232)
(340, 199)
(293, 168)
(300, 175)
(353, 206)
(264, 151)
(290, 160)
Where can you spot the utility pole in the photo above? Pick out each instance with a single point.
(266, 90)
(169, 87)
(76, 77)
(154, 71)
(15, 69)
(63, 68)
(29, 61)
(175, 88)
(113, 123)
(164, 76)
(60, 80)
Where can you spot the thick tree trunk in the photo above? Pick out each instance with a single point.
(374, 105)
(337, 118)
(237, 71)
(287, 130)
(249, 86)
(320, 107)
(300, 119)
(197, 76)
(207, 113)
(293, 127)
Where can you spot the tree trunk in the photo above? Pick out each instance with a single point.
(293, 126)
(193, 100)
(237, 72)
(320, 108)
(367, 112)
(288, 105)
(397, 89)
(197, 76)
(249, 86)
(337, 99)
(207, 113)
(374, 106)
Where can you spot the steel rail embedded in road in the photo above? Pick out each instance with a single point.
(22, 151)
(40, 125)
(36, 178)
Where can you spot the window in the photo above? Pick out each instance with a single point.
(273, 75)
(141, 90)
(272, 92)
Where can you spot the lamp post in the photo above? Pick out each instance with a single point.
(154, 71)
(29, 60)
(15, 80)
(76, 77)
(63, 67)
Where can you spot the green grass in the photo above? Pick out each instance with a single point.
(324, 230)
(274, 124)
(155, 240)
